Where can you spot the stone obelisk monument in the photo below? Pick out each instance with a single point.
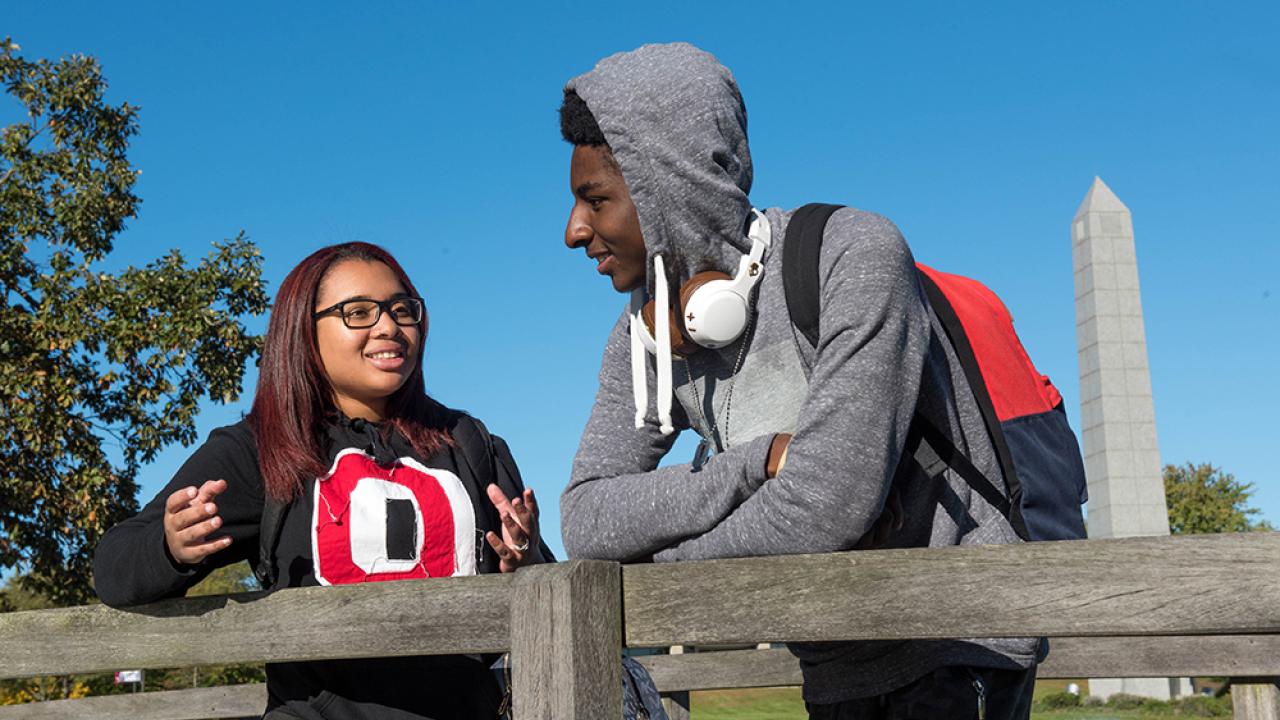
(1121, 456)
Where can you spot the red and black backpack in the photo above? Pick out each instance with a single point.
(1022, 410)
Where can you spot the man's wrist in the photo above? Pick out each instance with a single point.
(777, 455)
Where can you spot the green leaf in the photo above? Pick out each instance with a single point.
(94, 365)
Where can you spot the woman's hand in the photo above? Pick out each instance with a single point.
(190, 516)
(518, 545)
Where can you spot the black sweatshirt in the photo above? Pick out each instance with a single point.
(384, 513)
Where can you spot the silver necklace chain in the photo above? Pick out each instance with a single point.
(728, 399)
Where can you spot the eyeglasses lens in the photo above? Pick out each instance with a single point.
(366, 313)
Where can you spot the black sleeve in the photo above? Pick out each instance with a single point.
(132, 564)
(507, 477)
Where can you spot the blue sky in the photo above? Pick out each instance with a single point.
(430, 128)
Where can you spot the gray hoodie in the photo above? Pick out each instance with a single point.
(677, 126)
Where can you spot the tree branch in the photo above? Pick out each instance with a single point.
(9, 173)
(24, 295)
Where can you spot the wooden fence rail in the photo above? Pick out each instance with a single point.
(374, 620)
(1240, 656)
(1244, 656)
(1210, 584)
(1138, 607)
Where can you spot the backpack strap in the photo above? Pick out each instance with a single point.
(925, 440)
(801, 250)
(973, 373)
(268, 536)
(475, 445)
(481, 452)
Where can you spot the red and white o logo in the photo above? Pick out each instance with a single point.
(399, 522)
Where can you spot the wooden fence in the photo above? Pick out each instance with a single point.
(1140, 607)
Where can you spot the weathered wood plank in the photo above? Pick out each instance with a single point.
(566, 641)
(1188, 656)
(436, 616)
(236, 701)
(1198, 656)
(721, 670)
(1215, 584)
(1256, 656)
(676, 705)
(1255, 701)
(1253, 656)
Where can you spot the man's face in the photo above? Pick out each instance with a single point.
(603, 220)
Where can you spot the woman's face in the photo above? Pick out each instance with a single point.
(365, 366)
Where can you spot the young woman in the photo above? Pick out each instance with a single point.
(364, 479)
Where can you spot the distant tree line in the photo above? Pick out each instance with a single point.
(1204, 499)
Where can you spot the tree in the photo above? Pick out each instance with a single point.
(98, 370)
(1204, 499)
(226, 580)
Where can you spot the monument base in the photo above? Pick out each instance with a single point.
(1154, 688)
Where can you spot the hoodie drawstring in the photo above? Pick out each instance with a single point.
(662, 343)
(639, 387)
(662, 327)
(377, 447)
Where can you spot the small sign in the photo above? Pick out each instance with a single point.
(128, 676)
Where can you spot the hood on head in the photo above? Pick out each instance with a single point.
(674, 118)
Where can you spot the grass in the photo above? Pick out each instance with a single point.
(1216, 708)
(754, 704)
(785, 704)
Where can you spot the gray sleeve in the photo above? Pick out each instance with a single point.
(873, 335)
(619, 505)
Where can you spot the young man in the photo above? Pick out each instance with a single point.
(807, 441)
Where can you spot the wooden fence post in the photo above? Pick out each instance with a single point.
(566, 641)
(1255, 701)
(677, 705)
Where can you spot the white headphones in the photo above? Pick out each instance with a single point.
(714, 307)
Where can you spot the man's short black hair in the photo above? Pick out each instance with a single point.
(577, 125)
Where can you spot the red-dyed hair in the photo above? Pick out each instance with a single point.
(294, 399)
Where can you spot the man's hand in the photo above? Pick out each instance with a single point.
(190, 516)
(518, 545)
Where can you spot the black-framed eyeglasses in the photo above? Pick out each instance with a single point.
(361, 313)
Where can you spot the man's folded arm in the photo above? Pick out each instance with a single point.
(873, 335)
(619, 505)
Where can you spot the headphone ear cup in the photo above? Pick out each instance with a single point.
(714, 312)
(680, 345)
(697, 282)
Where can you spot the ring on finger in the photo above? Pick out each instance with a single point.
(521, 547)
